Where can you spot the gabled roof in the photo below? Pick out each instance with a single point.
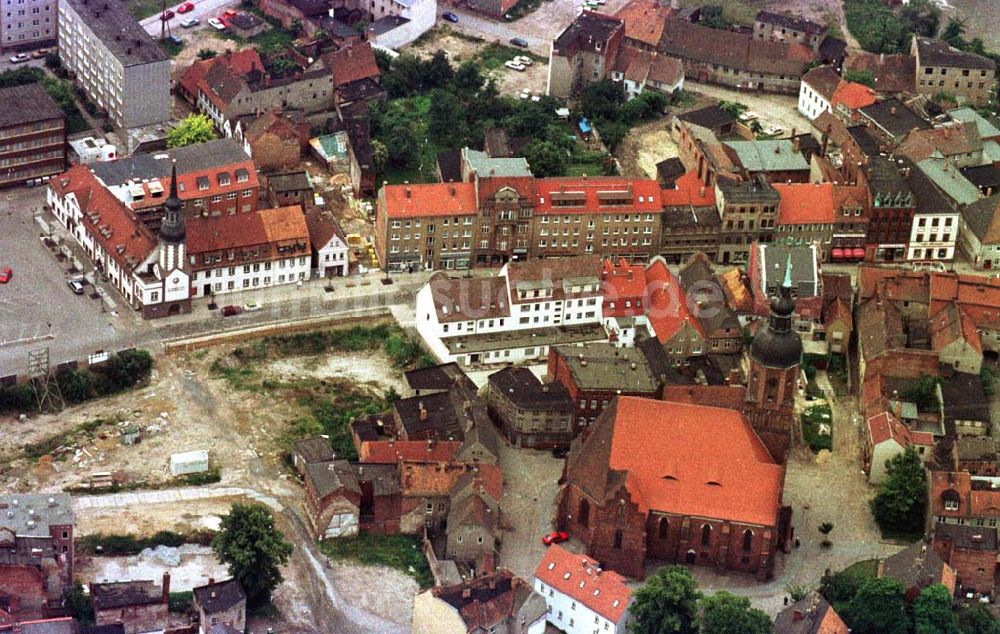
(647, 443)
(810, 615)
(667, 309)
(787, 21)
(894, 118)
(805, 203)
(26, 104)
(950, 140)
(985, 128)
(951, 182)
(581, 579)
(732, 49)
(644, 20)
(352, 63)
(688, 191)
(931, 52)
(489, 601)
(853, 95)
(589, 31)
(430, 199)
(463, 299)
(983, 219)
(917, 566)
(824, 80)
(953, 324)
(219, 596)
(893, 73)
(711, 117)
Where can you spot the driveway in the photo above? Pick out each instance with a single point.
(203, 10)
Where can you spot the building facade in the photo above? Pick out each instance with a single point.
(37, 537)
(581, 598)
(32, 135)
(532, 413)
(944, 68)
(120, 67)
(584, 53)
(28, 24)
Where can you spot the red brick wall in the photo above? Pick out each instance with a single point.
(25, 583)
(968, 564)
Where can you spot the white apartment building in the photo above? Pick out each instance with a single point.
(933, 236)
(27, 23)
(116, 62)
(816, 91)
(514, 316)
(396, 23)
(581, 598)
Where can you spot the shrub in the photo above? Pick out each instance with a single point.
(180, 602)
(116, 545)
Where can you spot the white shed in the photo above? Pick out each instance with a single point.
(189, 462)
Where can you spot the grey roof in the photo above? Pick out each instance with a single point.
(868, 144)
(983, 176)
(30, 515)
(602, 366)
(220, 596)
(965, 537)
(587, 29)
(691, 216)
(472, 510)
(696, 269)
(26, 104)
(884, 179)
(383, 478)
(315, 449)
(894, 118)
(118, 31)
(937, 53)
(191, 158)
(119, 594)
(946, 176)
(984, 127)
(117, 628)
(223, 628)
(916, 566)
(438, 377)
(482, 164)
(63, 625)
(481, 434)
(775, 155)
(964, 398)
(440, 420)
(775, 257)
(450, 165)
(289, 181)
(790, 22)
(386, 24)
(711, 117)
(669, 170)
(330, 477)
(755, 190)
(976, 448)
(245, 21)
(979, 216)
(522, 387)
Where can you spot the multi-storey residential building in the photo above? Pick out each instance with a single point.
(850, 224)
(935, 225)
(690, 220)
(944, 68)
(780, 27)
(505, 197)
(32, 135)
(823, 90)
(980, 232)
(749, 211)
(532, 413)
(28, 24)
(583, 53)
(498, 603)
(36, 537)
(580, 596)
(892, 207)
(806, 215)
(213, 179)
(115, 61)
(960, 501)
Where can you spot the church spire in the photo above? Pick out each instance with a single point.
(172, 227)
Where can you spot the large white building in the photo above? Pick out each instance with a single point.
(816, 91)
(581, 598)
(936, 220)
(27, 23)
(396, 23)
(514, 316)
(115, 61)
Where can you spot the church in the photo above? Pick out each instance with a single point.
(634, 489)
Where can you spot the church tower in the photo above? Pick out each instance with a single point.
(176, 297)
(775, 354)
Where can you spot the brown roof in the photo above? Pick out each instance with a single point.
(950, 140)
(917, 566)
(462, 299)
(666, 70)
(489, 601)
(557, 273)
(352, 63)
(26, 104)
(810, 615)
(644, 20)
(734, 50)
(120, 594)
(938, 53)
(322, 227)
(823, 80)
(314, 449)
(220, 596)
(893, 73)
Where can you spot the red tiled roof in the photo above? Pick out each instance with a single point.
(667, 308)
(805, 203)
(193, 75)
(429, 478)
(238, 64)
(731, 475)
(107, 219)
(352, 63)
(187, 184)
(725, 396)
(278, 227)
(620, 282)
(688, 191)
(951, 324)
(737, 294)
(581, 578)
(853, 95)
(430, 199)
(392, 451)
(644, 20)
(884, 427)
(588, 192)
(666, 70)
(283, 225)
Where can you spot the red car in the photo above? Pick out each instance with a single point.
(5, 274)
(184, 8)
(557, 537)
(166, 15)
(229, 311)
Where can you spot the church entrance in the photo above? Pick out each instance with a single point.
(689, 557)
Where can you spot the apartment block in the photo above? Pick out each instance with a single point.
(116, 62)
(32, 135)
(27, 23)
(944, 68)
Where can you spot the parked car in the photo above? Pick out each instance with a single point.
(251, 307)
(40, 53)
(524, 60)
(747, 116)
(230, 13)
(174, 39)
(216, 24)
(229, 311)
(773, 130)
(76, 286)
(560, 452)
(514, 65)
(519, 41)
(167, 15)
(5, 274)
(184, 8)
(20, 57)
(190, 22)
(451, 17)
(557, 537)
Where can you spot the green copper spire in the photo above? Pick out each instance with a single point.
(788, 272)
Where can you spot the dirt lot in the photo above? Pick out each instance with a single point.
(459, 49)
(645, 146)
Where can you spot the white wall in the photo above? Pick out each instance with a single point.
(811, 103)
(927, 239)
(573, 617)
(228, 278)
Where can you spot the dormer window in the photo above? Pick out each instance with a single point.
(242, 175)
(202, 183)
(224, 179)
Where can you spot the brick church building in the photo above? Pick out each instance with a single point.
(634, 489)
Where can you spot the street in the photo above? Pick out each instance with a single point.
(203, 10)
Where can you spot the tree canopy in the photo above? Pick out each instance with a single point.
(900, 502)
(724, 613)
(253, 549)
(932, 613)
(879, 607)
(195, 128)
(545, 159)
(666, 604)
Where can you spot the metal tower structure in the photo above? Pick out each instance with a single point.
(46, 388)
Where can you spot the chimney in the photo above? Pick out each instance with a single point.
(423, 411)
(211, 580)
(166, 587)
(466, 593)
(892, 110)
(702, 191)
(795, 143)
(881, 58)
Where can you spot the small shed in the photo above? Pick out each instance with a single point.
(189, 462)
(129, 434)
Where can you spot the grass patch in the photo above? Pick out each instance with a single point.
(867, 569)
(180, 602)
(521, 9)
(122, 545)
(211, 476)
(49, 444)
(733, 11)
(170, 48)
(811, 420)
(400, 552)
(141, 9)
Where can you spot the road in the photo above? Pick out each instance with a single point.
(203, 10)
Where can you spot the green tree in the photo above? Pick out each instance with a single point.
(879, 607)
(527, 118)
(613, 133)
(932, 613)
(954, 31)
(712, 16)
(195, 128)
(206, 53)
(438, 71)
(601, 100)
(865, 77)
(468, 78)
(78, 604)
(978, 620)
(923, 17)
(253, 549)
(446, 116)
(128, 368)
(900, 501)
(545, 159)
(725, 613)
(380, 154)
(76, 385)
(666, 604)
(923, 392)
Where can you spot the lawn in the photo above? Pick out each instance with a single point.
(867, 569)
(140, 9)
(493, 56)
(400, 552)
(425, 170)
(811, 420)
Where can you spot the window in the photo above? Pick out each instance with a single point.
(747, 539)
(583, 515)
(618, 540)
(706, 535)
(663, 529)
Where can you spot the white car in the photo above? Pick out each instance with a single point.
(187, 23)
(748, 115)
(20, 57)
(514, 65)
(217, 24)
(523, 60)
(773, 130)
(251, 307)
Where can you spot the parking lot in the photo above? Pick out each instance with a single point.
(37, 308)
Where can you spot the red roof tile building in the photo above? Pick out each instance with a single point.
(634, 490)
(577, 590)
(806, 215)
